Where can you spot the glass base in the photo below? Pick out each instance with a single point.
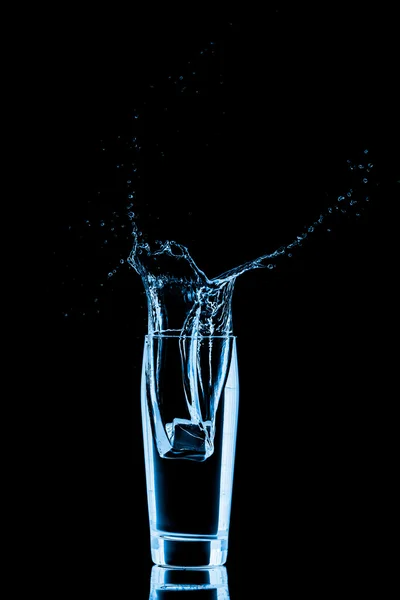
(164, 580)
(181, 552)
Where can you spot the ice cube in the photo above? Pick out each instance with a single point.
(186, 435)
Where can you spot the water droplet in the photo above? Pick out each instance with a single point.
(122, 261)
(365, 180)
(101, 223)
(365, 151)
(340, 198)
(310, 229)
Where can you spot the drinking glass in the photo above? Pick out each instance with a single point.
(189, 402)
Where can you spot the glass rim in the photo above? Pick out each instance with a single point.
(176, 334)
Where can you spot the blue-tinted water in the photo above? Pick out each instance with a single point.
(179, 294)
(189, 416)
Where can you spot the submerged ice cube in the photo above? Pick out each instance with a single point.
(184, 435)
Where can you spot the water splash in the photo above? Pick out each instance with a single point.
(180, 296)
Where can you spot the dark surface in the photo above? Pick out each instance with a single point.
(298, 102)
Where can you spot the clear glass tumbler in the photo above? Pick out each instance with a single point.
(189, 395)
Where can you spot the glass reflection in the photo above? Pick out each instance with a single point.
(209, 584)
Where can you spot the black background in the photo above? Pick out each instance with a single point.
(303, 91)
